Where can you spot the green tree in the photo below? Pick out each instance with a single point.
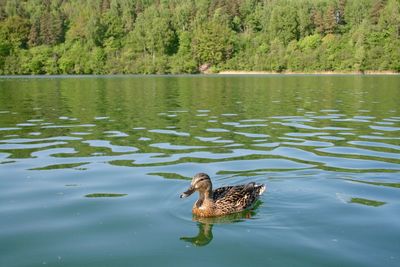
(389, 20)
(13, 36)
(276, 56)
(153, 34)
(212, 43)
(304, 14)
(356, 11)
(284, 24)
(14, 32)
(183, 61)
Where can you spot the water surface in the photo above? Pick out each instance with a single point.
(91, 169)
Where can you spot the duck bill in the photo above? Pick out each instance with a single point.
(188, 192)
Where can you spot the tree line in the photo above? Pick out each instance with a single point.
(178, 36)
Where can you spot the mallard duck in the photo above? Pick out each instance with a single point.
(223, 200)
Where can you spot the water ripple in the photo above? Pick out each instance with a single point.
(374, 144)
(300, 145)
(384, 128)
(107, 144)
(169, 132)
(359, 151)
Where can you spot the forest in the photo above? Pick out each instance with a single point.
(179, 36)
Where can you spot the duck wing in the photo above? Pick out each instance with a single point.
(221, 192)
(236, 198)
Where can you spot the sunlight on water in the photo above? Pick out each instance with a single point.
(91, 169)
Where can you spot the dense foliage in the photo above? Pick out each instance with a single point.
(178, 36)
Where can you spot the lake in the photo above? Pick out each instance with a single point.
(91, 169)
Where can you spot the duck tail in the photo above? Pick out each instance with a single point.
(260, 189)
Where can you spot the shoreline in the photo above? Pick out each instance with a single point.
(224, 72)
(369, 72)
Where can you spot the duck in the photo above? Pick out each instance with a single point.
(223, 200)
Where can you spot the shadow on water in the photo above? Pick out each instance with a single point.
(205, 225)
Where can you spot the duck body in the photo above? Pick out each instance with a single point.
(223, 200)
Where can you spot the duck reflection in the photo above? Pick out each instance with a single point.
(203, 237)
(205, 225)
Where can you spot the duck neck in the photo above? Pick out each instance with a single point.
(204, 197)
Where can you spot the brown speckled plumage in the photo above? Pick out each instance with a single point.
(223, 200)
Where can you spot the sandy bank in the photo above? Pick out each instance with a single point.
(238, 72)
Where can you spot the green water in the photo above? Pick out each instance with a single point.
(91, 169)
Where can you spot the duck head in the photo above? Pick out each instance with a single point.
(201, 182)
